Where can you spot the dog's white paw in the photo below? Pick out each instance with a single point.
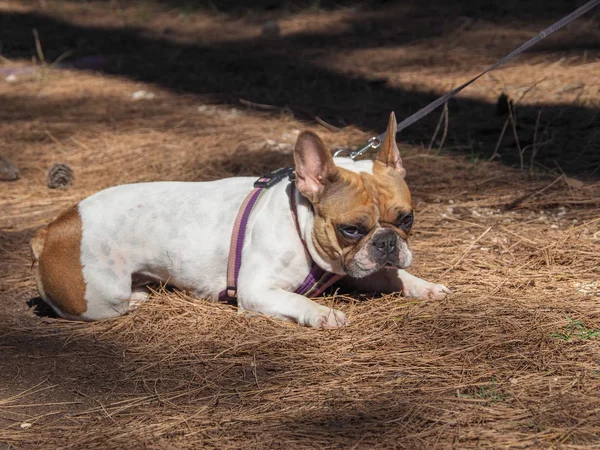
(425, 290)
(330, 318)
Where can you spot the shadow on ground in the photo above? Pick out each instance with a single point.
(282, 72)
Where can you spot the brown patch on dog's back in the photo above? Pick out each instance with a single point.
(60, 277)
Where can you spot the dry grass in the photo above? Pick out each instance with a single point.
(511, 359)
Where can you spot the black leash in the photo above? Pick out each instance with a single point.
(376, 141)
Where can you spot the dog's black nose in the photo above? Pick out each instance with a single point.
(385, 242)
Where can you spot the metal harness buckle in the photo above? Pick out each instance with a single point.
(272, 178)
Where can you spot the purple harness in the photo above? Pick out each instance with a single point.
(316, 281)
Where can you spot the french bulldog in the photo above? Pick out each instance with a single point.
(351, 218)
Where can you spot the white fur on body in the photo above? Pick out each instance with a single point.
(179, 233)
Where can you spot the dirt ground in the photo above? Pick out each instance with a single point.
(182, 90)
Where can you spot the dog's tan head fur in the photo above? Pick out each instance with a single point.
(362, 220)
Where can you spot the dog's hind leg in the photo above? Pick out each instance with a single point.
(57, 265)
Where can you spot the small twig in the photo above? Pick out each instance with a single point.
(467, 250)
(528, 90)
(587, 223)
(326, 125)
(51, 136)
(254, 371)
(38, 45)
(261, 105)
(445, 133)
(521, 199)
(58, 60)
(534, 149)
(559, 169)
(495, 154)
(580, 94)
(513, 121)
(437, 130)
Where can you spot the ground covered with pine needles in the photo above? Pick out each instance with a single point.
(511, 359)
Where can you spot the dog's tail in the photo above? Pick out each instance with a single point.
(37, 244)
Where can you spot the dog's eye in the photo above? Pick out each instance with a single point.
(405, 222)
(350, 231)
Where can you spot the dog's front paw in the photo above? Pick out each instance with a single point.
(330, 318)
(425, 290)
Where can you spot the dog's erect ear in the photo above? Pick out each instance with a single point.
(314, 166)
(389, 154)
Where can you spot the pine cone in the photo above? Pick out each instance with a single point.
(60, 176)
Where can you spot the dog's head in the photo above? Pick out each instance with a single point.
(362, 210)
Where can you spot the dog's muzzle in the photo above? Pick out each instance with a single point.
(388, 249)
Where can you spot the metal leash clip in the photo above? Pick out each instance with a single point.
(372, 143)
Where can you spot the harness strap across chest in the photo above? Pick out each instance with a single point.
(317, 279)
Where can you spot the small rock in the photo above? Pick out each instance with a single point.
(12, 78)
(8, 170)
(26, 425)
(271, 29)
(142, 95)
(60, 176)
